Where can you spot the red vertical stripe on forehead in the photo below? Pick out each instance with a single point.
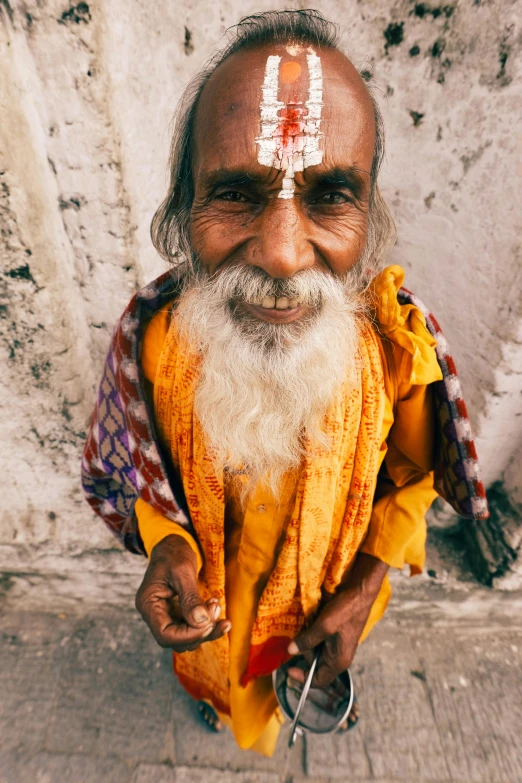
(291, 125)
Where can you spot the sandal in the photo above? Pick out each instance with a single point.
(210, 717)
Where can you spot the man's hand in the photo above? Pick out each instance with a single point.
(169, 601)
(340, 623)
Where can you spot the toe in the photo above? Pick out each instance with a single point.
(353, 717)
(210, 716)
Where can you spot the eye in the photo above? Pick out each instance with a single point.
(335, 197)
(231, 195)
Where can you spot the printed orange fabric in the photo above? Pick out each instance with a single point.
(277, 558)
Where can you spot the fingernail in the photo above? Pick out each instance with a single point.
(207, 632)
(200, 616)
(293, 649)
(227, 627)
(217, 612)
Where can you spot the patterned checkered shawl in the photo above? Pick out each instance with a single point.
(123, 457)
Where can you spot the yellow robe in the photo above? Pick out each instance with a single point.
(396, 533)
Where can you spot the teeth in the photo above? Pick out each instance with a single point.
(279, 303)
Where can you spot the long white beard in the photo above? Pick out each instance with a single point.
(263, 386)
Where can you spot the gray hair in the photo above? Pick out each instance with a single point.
(170, 224)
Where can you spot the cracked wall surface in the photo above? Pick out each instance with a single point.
(87, 92)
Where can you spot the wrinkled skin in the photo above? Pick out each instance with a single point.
(340, 623)
(237, 217)
(168, 599)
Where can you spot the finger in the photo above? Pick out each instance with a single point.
(332, 661)
(175, 612)
(214, 609)
(220, 629)
(193, 608)
(324, 675)
(294, 685)
(297, 674)
(308, 638)
(152, 588)
(301, 666)
(170, 632)
(296, 679)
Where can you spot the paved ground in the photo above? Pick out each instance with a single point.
(91, 699)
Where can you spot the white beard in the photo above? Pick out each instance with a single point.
(264, 386)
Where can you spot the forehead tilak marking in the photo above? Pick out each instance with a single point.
(290, 132)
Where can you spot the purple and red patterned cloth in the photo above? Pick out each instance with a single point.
(123, 458)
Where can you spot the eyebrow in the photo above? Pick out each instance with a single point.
(228, 178)
(352, 178)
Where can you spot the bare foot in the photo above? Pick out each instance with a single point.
(352, 718)
(210, 716)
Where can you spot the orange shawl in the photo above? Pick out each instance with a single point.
(329, 520)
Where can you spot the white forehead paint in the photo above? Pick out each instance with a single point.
(290, 133)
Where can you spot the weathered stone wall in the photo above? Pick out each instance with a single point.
(86, 95)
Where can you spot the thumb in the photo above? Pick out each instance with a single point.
(308, 639)
(194, 610)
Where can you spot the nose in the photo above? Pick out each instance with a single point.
(280, 246)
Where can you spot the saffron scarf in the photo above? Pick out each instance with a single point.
(123, 459)
(329, 520)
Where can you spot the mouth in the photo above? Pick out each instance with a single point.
(276, 310)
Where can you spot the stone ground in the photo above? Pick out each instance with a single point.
(89, 698)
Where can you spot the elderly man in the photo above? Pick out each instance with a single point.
(265, 428)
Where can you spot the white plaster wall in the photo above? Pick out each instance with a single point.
(86, 95)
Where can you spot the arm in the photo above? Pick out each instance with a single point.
(168, 598)
(397, 530)
(396, 535)
(154, 527)
(341, 622)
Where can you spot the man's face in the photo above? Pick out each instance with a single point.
(247, 212)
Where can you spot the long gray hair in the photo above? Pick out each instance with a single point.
(170, 224)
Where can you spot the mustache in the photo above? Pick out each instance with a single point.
(243, 282)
